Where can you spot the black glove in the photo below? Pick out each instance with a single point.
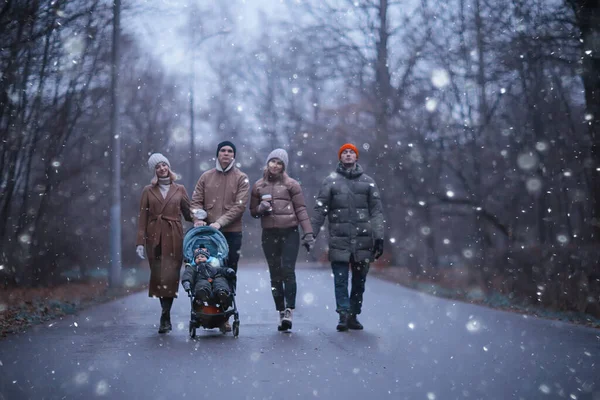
(229, 273)
(186, 286)
(308, 241)
(378, 248)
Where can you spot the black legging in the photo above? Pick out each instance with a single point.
(281, 251)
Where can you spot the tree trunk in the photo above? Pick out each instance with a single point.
(587, 14)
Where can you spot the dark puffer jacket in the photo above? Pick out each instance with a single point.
(351, 201)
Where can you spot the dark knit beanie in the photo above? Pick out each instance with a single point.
(201, 251)
(226, 143)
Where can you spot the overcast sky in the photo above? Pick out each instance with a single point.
(160, 23)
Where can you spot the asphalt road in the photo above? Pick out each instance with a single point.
(414, 346)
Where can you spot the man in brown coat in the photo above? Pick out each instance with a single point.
(223, 193)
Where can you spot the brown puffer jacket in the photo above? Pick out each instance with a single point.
(289, 207)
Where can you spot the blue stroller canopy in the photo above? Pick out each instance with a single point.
(208, 237)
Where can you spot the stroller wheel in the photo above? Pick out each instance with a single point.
(236, 328)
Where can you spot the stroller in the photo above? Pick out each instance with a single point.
(212, 315)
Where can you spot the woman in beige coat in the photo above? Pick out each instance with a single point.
(278, 201)
(160, 233)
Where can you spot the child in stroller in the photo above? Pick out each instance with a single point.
(208, 282)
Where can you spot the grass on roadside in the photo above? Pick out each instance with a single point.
(23, 307)
(452, 289)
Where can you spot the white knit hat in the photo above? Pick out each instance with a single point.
(155, 159)
(281, 154)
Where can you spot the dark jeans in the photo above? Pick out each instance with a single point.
(234, 242)
(353, 303)
(281, 250)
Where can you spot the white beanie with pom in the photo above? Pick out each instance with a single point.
(155, 159)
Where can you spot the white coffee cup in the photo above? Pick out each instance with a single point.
(199, 213)
(269, 198)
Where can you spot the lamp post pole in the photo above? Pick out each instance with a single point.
(114, 278)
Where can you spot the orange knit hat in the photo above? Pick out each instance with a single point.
(347, 146)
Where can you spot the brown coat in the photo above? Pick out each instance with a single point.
(223, 195)
(289, 207)
(160, 231)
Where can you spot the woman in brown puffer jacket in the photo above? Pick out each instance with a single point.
(278, 201)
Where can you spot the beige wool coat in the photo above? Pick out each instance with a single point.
(160, 230)
(223, 195)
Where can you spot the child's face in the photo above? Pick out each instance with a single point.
(201, 258)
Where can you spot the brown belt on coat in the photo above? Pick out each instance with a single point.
(170, 220)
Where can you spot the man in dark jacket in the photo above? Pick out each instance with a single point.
(351, 202)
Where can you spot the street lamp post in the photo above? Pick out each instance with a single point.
(193, 170)
(114, 278)
(192, 83)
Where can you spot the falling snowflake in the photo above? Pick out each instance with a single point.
(563, 239)
(431, 105)
(533, 185)
(545, 389)
(308, 298)
(102, 388)
(440, 78)
(541, 146)
(527, 161)
(473, 326)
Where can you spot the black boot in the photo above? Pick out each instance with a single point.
(165, 315)
(223, 297)
(343, 322)
(203, 295)
(163, 327)
(353, 323)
